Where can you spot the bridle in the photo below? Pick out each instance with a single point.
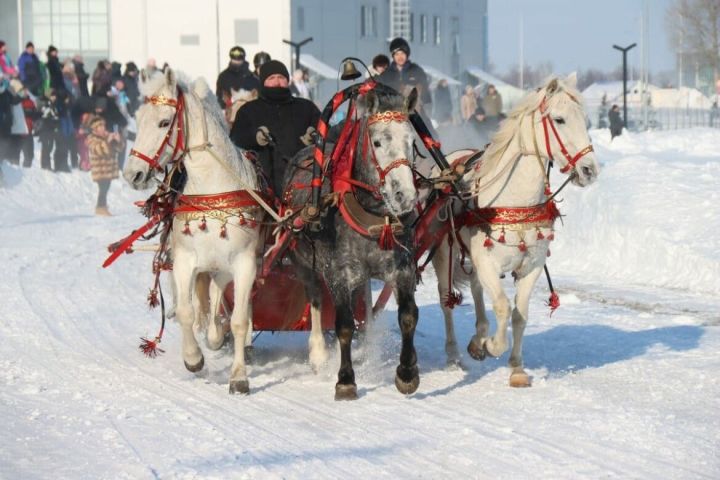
(384, 117)
(548, 121)
(177, 123)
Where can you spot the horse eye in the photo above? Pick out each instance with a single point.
(164, 124)
(376, 143)
(560, 121)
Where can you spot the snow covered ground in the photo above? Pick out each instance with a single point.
(624, 373)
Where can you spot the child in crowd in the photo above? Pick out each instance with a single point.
(102, 150)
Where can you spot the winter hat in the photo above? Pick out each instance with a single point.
(95, 121)
(237, 53)
(130, 67)
(260, 58)
(399, 44)
(271, 68)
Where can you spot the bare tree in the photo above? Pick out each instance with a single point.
(694, 28)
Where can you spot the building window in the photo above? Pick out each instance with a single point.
(368, 21)
(363, 24)
(246, 31)
(436, 30)
(301, 19)
(411, 34)
(73, 26)
(423, 29)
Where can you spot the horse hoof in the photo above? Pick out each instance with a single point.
(346, 392)
(477, 353)
(249, 354)
(520, 380)
(197, 367)
(407, 380)
(239, 387)
(454, 364)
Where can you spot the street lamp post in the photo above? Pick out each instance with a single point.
(624, 54)
(297, 46)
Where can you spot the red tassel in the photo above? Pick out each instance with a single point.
(150, 347)
(522, 247)
(540, 235)
(252, 223)
(453, 299)
(548, 192)
(241, 220)
(551, 237)
(553, 302)
(186, 230)
(223, 231)
(501, 238)
(386, 240)
(152, 298)
(203, 224)
(487, 243)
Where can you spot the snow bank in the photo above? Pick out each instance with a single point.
(652, 217)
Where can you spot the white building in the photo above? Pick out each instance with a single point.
(196, 35)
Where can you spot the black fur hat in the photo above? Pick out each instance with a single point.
(399, 44)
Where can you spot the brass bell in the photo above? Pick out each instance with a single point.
(349, 71)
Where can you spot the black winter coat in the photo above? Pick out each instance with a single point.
(54, 68)
(411, 75)
(287, 120)
(235, 78)
(82, 77)
(616, 123)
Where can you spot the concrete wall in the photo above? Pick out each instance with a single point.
(9, 28)
(195, 36)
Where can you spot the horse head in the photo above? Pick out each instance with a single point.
(387, 145)
(159, 126)
(564, 133)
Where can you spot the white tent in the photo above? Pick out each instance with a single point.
(437, 75)
(510, 94)
(659, 97)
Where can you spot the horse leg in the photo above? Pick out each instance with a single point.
(481, 320)
(243, 277)
(184, 278)
(201, 300)
(496, 345)
(318, 353)
(216, 333)
(345, 388)
(524, 286)
(407, 377)
(441, 262)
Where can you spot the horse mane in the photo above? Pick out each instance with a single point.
(510, 126)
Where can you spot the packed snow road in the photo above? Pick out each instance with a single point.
(624, 374)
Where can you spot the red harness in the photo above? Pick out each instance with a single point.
(343, 158)
(547, 120)
(178, 121)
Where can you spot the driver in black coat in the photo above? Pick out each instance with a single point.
(276, 125)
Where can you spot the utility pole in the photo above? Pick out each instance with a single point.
(297, 47)
(522, 53)
(624, 54)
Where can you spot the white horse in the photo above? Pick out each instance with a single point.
(548, 124)
(217, 233)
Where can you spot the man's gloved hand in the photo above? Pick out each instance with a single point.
(262, 137)
(309, 138)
